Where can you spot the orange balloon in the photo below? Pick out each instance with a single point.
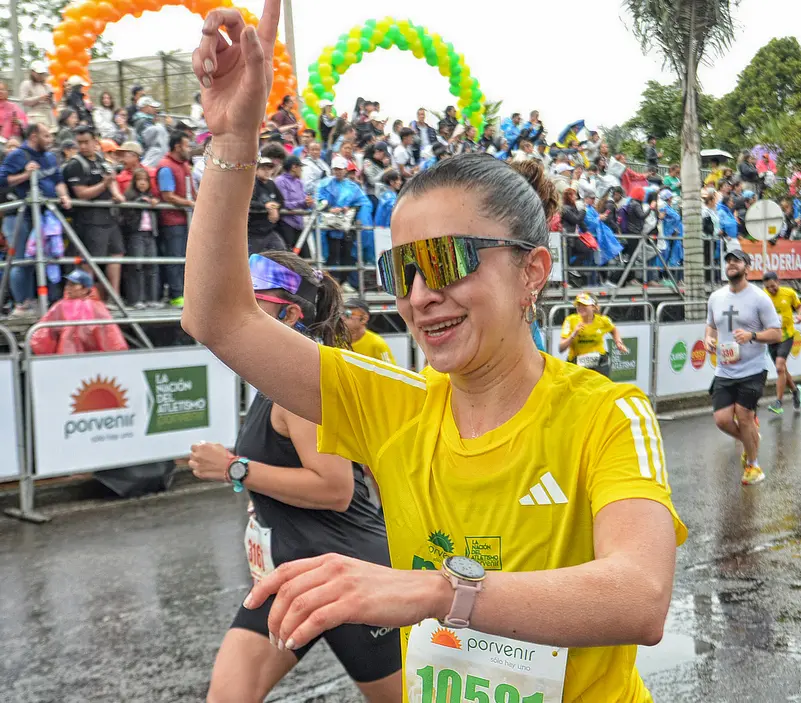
(59, 37)
(72, 12)
(77, 42)
(88, 24)
(100, 27)
(74, 68)
(64, 53)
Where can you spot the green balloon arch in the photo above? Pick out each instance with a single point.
(349, 50)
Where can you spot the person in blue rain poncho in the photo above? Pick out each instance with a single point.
(728, 224)
(386, 203)
(339, 248)
(511, 128)
(608, 245)
(672, 227)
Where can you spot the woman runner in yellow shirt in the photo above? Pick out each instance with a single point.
(584, 332)
(538, 489)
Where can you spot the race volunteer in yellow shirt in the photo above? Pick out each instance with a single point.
(787, 303)
(539, 487)
(363, 341)
(584, 334)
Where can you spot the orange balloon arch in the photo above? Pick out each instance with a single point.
(84, 22)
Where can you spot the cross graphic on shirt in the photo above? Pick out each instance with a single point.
(730, 313)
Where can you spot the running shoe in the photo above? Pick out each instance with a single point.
(177, 303)
(797, 399)
(752, 475)
(776, 407)
(744, 460)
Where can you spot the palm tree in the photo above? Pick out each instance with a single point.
(687, 32)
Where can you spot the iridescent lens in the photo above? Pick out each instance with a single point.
(267, 274)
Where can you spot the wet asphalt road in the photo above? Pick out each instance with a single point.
(128, 601)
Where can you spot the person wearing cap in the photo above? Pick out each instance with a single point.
(295, 198)
(787, 304)
(75, 99)
(66, 150)
(327, 122)
(13, 119)
(130, 156)
(652, 154)
(153, 135)
(78, 303)
(341, 194)
(584, 333)
(363, 341)
(110, 148)
(403, 156)
(137, 92)
(37, 96)
(315, 169)
(264, 213)
(741, 321)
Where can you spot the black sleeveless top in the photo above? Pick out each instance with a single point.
(299, 533)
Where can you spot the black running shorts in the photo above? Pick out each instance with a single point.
(781, 350)
(368, 653)
(745, 392)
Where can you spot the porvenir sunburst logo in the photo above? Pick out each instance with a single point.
(446, 638)
(99, 394)
(441, 540)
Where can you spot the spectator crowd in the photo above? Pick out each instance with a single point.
(350, 169)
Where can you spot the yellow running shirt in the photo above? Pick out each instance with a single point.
(373, 346)
(591, 337)
(786, 303)
(520, 498)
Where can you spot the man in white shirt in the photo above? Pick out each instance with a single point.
(525, 153)
(314, 169)
(403, 155)
(37, 97)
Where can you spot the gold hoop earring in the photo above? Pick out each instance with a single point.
(530, 312)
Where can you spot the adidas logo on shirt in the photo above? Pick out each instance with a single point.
(545, 492)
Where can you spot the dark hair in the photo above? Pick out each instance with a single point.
(323, 319)
(312, 132)
(80, 130)
(111, 97)
(672, 166)
(133, 192)
(291, 161)
(770, 276)
(520, 196)
(274, 151)
(176, 138)
(64, 115)
(406, 132)
(389, 176)
(569, 196)
(136, 89)
(32, 129)
(285, 100)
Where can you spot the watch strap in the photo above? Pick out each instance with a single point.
(464, 600)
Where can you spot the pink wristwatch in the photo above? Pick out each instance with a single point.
(467, 578)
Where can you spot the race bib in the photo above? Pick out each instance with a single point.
(590, 360)
(728, 352)
(450, 666)
(258, 546)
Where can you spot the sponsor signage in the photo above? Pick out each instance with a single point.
(98, 411)
(784, 257)
(10, 449)
(683, 364)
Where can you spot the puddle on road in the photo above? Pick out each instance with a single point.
(671, 652)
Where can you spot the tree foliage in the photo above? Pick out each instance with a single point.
(37, 18)
(768, 90)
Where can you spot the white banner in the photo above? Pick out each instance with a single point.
(10, 451)
(399, 345)
(634, 367)
(683, 364)
(382, 239)
(555, 246)
(99, 411)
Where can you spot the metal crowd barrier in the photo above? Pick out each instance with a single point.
(12, 446)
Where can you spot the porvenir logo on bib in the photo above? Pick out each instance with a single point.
(438, 546)
(103, 400)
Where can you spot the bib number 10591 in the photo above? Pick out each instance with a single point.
(451, 689)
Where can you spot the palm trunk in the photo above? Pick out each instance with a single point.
(691, 188)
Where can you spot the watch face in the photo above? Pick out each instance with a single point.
(466, 568)
(238, 471)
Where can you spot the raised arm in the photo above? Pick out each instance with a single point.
(220, 309)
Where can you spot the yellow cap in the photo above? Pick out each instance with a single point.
(584, 299)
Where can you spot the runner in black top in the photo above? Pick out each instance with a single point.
(306, 504)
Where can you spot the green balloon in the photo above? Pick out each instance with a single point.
(427, 44)
(394, 33)
(473, 107)
(371, 23)
(314, 77)
(455, 90)
(432, 59)
(335, 76)
(366, 44)
(343, 37)
(401, 43)
(337, 58)
(319, 89)
(386, 43)
(341, 46)
(476, 95)
(327, 95)
(314, 67)
(367, 31)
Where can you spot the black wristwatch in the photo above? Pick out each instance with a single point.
(753, 337)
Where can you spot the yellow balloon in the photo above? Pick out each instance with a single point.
(404, 27)
(417, 50)
(350, 58)
(353, 45)
(379, 36)
(325, 70)
(467, 80)
(327, 81)
(327, 53)
(445, 71)
(442, 52)
(356, 32)
(312, 101)
(382, 27)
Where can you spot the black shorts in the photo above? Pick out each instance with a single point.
(368, 653)
(781, 350)
(101, 240)
(745, 392)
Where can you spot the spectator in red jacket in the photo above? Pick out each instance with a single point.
(130, 156)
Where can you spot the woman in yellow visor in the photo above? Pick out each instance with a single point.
(584, 336)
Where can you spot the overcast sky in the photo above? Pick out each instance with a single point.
(526, 53)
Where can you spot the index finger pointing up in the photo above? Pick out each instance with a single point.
(268, 24)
